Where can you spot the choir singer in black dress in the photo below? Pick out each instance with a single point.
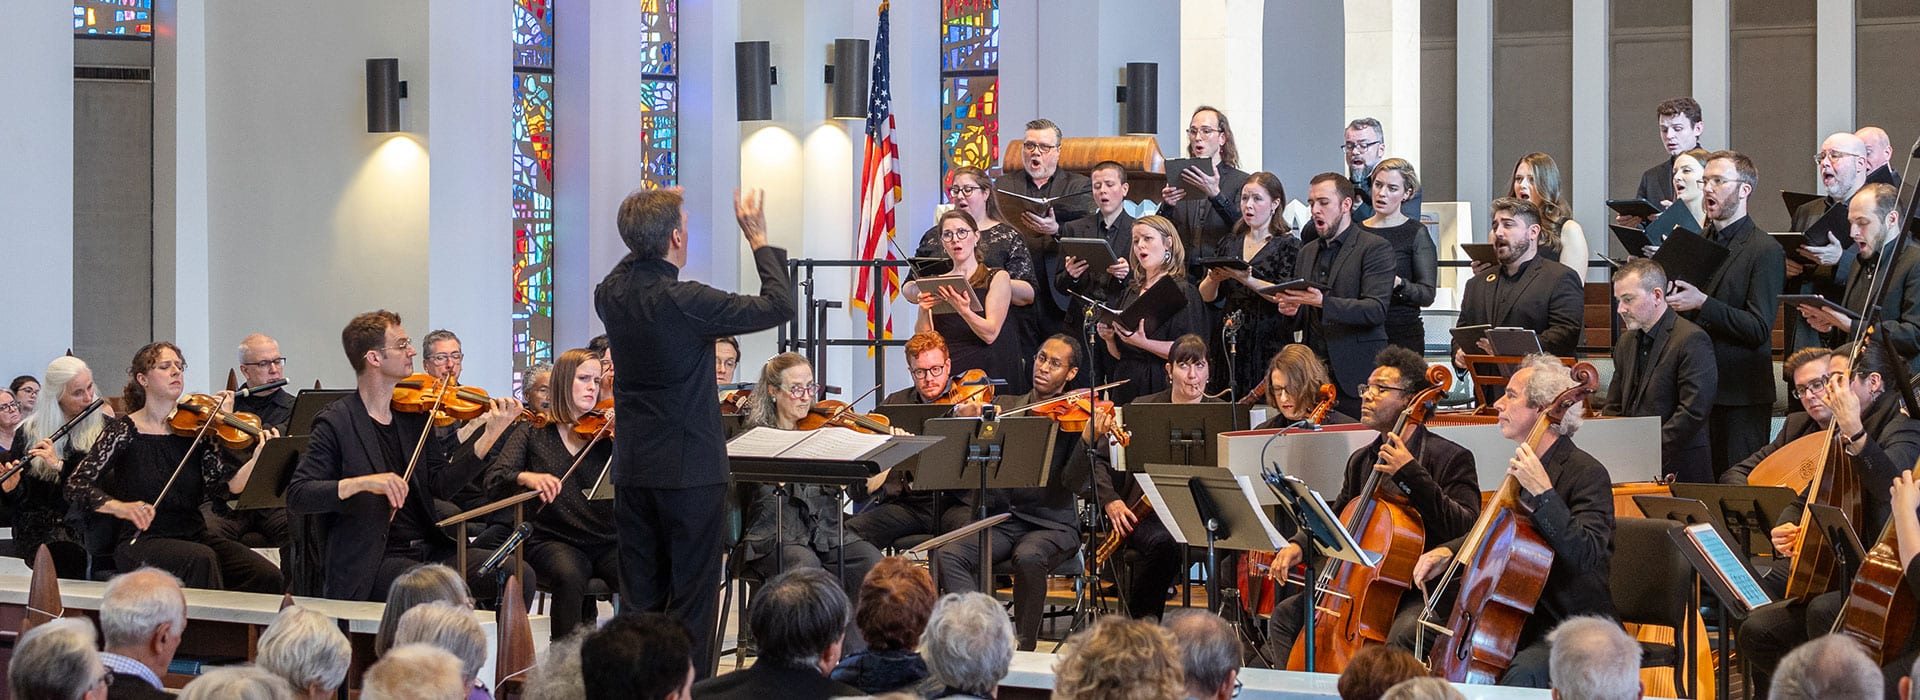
(1158, 278)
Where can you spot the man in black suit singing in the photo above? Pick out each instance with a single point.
(1663, 366)
(1345, 324)
(1873, 215)
(1736, 309)
(670, 461)
(1525, 290)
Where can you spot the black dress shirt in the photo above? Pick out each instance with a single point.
(1892, 444)
(1668, 371)
(275, 408)
(1743, 297)
(1440, 482)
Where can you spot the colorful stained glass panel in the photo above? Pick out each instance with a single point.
(121, 17)
(970, 121)
(532, 220)
(533, 33)
(970, 35)
(660, 37)
(660, 133)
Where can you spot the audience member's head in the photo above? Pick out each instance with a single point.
(1906, 683)
(142, 615)
(1593, 659)
(1834, 667)
(1209, 652)
(556, 676)
(799, 618)
(237, 683)
(414, 672)
(57, 661)
(1423, 688)
(450, 627)
(307, 650)
(968, 643)
(895, 599)
(1375, 669)
(1120, 659)
(645, 656)
(426, 583)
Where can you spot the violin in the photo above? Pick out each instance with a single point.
(422, 393)
(1506, 565)
(1073, 413)
(838, 414)
(733, 403)
(594, 421)
(972, 386)
(1358, 603)
(237, 430)
(534, 418)
(1252, 571)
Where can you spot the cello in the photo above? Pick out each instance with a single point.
(1506, 564)
(1354, 605)
(1254, 574)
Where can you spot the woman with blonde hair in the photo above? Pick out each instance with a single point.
(1139, 354)
(1416, 262)
(1120, 659)
(37, 493)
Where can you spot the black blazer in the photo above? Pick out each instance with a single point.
(343, 446)
(1892, 445)
(1440, 481)
(1797, 425)
(127, 686)
(1550, 302)
(1096, 284)
(1203, 222)
(1353, 319)
(1899, 304)
(1679, 387)
(1656, 184)
(1742, 299)
(771, 680)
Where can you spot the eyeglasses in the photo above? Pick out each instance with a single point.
(1198, 131)
(10, 406)
(727, 364)
(1376, 388)
(955, 235)
(928, 372)
(1351, 147)
(404, 344)
(1825, 156)
(964, 190)
(440, 357)
(1039, 148)
(1237, 685)
(801, 391)
(171, 365)
(1813, 386)
(263, 364)
(1714, 183)
(1039, 360)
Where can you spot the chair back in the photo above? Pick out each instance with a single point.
(1652, 581)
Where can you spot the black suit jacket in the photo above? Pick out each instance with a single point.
(343, 446)
(1679, 387)
(1046, 249)
(1798, 425)
(1892, 445)
(1899, 303)
(662, 330)
(1550, 301)
(1352, 321)
(1203, 222)
(1742, 298)
(1656, 184)
(771, 680)
(1440, 481)
(1096, 283)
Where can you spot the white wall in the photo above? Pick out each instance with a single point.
(470, 191)
(1305, 110)
(36, 42)
(596, 152)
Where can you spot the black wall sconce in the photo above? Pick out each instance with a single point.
(848, 75)
(384, 91)
(1140, 99)
(753, 80)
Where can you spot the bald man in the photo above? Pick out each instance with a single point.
(1879, 155)
(1822, 270)
(261, 362)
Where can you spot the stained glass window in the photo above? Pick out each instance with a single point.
(125, 17)
(532, 185)
(660, 92)
(969, 84)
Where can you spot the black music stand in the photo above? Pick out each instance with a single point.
(1686, 511)
(267, 488)
(1714, 573)
(977, 527)
(1009, 453)
(1210, 502)
(855, 469)
(1744, 514)
(913, 417)
(1179, 433)
(308, 404)
(1838, 529)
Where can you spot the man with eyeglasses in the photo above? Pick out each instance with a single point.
(1435, 474)
(1736, 309)
(1041, 176)
(444, 360)
(895, 510)
(1203, 222)
(1663, 366)
(261, 362)
(1365, 147)
(1825, 269)
(1879, 442)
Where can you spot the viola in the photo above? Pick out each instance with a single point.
(733, 403)
(1505, 563)
(1358, 603)
(237, 430)
(595, 421)
(1140, 509)
(972, 386)
(445, 400)
(534, 418)
(1251, 574)
(1074, 412)
(829, 412)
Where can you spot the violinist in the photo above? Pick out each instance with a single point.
(1569, 496)
(1435, 473)
(36, 493)
(378, 521)
(808, 530)
(1294, 377)
(1152, 555)
(894, 511)
(133, 462)
(1880, 442)
(1042, 532)
(573, 538)
(261, 363)
(726, 359)
(445, 361)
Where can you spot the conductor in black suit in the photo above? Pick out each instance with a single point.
(670, 461)
(1874, 213)
(1346, 325)
(378, 523)
(1526, 290)
(1736, 309)
(1663, 366)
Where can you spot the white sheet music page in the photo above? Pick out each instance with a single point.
(833, 444)
(764, 442)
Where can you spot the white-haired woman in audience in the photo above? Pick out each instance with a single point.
(414, 672)
(1423, 688)
(968, 645)
(426, 583)
(557, 675)
(307, 650)
(237, 683)
(453, 628)
(37, 493)
(57, 661)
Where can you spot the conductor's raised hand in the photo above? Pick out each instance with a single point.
(750, 211)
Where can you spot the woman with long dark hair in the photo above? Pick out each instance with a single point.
(1261, 239)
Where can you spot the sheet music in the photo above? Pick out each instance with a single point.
(1725, 563)
(764, 442)
(1152, 492)
(830, 443)
(1246, 489)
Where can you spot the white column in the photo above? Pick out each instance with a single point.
(1474, 112)
(1383, 70)
(36, 40)
(1589, 161)
(1221, 42)
(1833, 67)
(1712, 72)
(181, 300)
(596, 150)
(469, 188)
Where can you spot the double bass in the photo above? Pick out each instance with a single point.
(1354, 605)
(1505, 562)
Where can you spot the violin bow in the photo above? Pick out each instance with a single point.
(199, 436)
(1076, 393)
(598, 435)
(421, 444)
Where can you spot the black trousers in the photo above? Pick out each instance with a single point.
(1152, 559)
(566, 569)
(214, 562)
(670, 557)
(886, 523)
(257, 527)
(1736, 432)
(1032, 551)
(1771, 631)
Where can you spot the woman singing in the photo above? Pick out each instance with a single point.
(1262, 240)
(35, 493)
(980, 340)
(1140, 352)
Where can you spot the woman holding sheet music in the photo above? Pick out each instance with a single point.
(573, 537)
(1262, 240)
(982, 339)
(1159, 264)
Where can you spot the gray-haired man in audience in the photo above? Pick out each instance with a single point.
(56, 661)
(968, 644)
(142, 615)
(307, 650)
(237, 683)
(1834, 667)
(1593, 659)
(1209, 652)
(799, 618)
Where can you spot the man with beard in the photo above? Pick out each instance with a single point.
(1202, 222)
(1042, 177)
(1526, 291)
(1873, 216)
(1343, 319)
(1663, 367)
(1736, 309)
(1366, 146)
(1824, 269)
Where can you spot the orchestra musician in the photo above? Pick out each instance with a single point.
(670, 477)
(1569, 496)
(726, 359)
(261, 363)
(1905, 496)
(894, 511)
(444, 360)
(131, 474)
(1879, 442)
(36, 494)
(1294, 378)
(1157, 258)
(975, 339)
(1807, 371)
(1435, 473)
(378, 522)
(573, 537)
(1344, 318)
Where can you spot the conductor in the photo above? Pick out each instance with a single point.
(670, 457)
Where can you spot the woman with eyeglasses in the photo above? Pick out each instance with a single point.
(810, 517)
(10, 419)
(1140, 353)
(1294, 377)
(1536, 178)
(1261, 239)
(35, 493)
(1000, 245)
(131, 464)
(573, 537)
(984, 339)
(26, 390)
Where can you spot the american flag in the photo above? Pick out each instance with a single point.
(879, 190)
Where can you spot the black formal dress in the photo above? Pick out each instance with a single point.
(1668, 371)
(1363, 201)
(966, 350)
(275, 408)
(1742, 298)
(1262, 330)
(1001, 247)
(1417, 263)
(128, 465)
(1096, 284)
(1543, 296)
(670, 464)
(1349, 328)
(1146, 372)
(1797, 425)
(573, 538)
(39, 505)
(1444, 490)
(804, 529)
